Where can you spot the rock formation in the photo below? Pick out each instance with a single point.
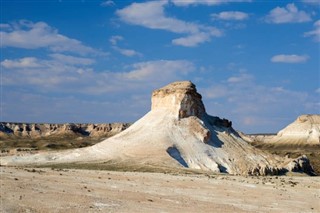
(32, 130)
(305, 130)
(177, 133)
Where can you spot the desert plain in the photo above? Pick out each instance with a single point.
(77, 190)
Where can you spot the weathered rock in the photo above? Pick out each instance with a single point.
(300, 164)
(179, 98)
(305, 130)
(32, 130)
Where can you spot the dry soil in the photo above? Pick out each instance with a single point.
(74, 190)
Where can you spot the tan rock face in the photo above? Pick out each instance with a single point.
(180, 98)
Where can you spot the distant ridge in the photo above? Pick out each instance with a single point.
(37, 130)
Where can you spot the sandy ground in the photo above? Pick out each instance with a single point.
(48, 190)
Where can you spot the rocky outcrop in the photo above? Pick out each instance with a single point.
(304, 131)
(177, 133)
(306, 128)
(300, 164)
(180, 99)
(32, 130)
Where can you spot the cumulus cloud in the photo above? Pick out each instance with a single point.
(289, 58)
(314, 33)
(28, 35)
(230, 15)
(151, 15)
(185, 3)
(288, 14)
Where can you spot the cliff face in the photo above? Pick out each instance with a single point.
(32, 130)
(180, 99)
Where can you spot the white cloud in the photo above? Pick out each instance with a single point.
(57, 60)
(66, 74)
(196, 2)
(289, 58)
(192, 40)
(243, 77)
(318, 90)
(314, 33)
(185, 3)
(28, 35)
(289, 14)
(160, 70)
(151, 15)
(28, 62)
(67, 59)
(230, 15)
(114, 39)
(108, 3)
(126, 52)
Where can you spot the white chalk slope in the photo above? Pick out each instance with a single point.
(304, 130)
(177, 132)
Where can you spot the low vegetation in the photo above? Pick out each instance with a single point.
(46, 143)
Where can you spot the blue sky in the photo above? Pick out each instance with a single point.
(254, 62)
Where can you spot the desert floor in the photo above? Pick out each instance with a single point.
(74, 190)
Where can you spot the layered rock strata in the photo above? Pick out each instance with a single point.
(32, 130)
(304, 131)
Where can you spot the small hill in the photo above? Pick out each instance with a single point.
(304, 130)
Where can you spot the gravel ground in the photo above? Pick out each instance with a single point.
(70, 190)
